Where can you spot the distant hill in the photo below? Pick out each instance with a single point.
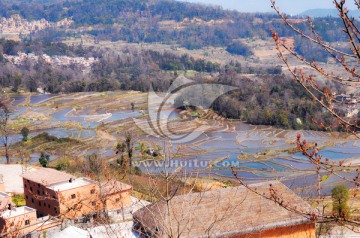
(184, 24)
(327, 13)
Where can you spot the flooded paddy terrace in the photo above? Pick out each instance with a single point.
(99, 120)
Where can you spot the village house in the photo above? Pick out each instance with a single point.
(59, 194)
(229, 212)
(115, 194)
(61, 61)
(17, 24)
(17, 221)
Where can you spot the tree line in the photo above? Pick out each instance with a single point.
(265, 100)
(127, 69)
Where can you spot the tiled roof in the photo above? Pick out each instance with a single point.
(227, 212)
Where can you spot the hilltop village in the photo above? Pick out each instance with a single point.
(18, 25)
(84, 64)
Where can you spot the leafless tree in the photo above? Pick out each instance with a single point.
(348, 75)
(5, 113)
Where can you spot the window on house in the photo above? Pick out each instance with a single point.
(27, 222)
(73, 196)
(26, 197)
(38, 192)
(92, 191)
(32, 200)
(38, 185)
(44, 204)
(25, 186)
(48, 205)
(40, 204)
(31, 189)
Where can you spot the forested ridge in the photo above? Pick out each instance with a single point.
(142, 21)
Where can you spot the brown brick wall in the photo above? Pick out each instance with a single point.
(12, 225)
(79, 201)
(71, 203)
(299, 231)
(44, 200)
(118, 200)
(2, 187)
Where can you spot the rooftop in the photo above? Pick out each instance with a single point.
(123, 229)
(17, 211)
(75, 183)
(47, 177)
(5, 200)
(12, 177)
(225, 212)
(4, 195)
(72, 232)
(114, 186)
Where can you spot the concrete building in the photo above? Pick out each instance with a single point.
(59, 194)
(73, 198)
(234, 212)
(17, 220)
(115, 194)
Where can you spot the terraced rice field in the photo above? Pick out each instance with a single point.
(99, 120)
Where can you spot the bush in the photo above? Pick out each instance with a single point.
(238, 48)
(137, 171)
(50, 138)
(44, 159)
(19, 200)
(61, 166)
(25, 133)
(340, 197)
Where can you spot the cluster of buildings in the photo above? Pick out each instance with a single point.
(350, 104)
(81, 63)
(187, 22)
(348, 99)
(53, 196)
(16, 24)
